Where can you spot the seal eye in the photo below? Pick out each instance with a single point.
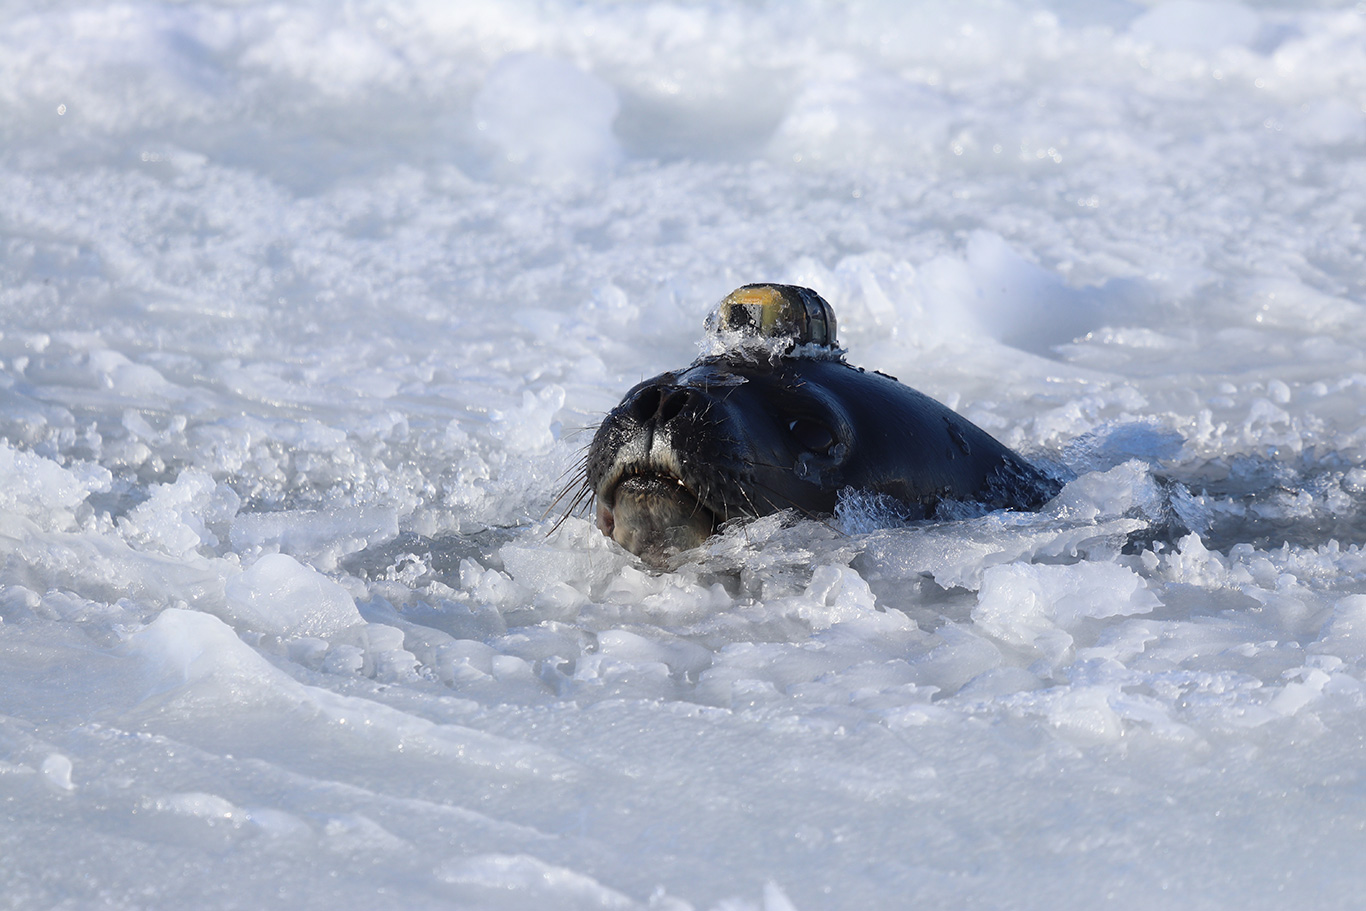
(812, 435)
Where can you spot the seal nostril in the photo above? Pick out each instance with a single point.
(672, 404)
(658, 404)
(645, 404)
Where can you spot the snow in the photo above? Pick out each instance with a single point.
(307, 311)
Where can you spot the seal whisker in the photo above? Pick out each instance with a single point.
(584, 495)
(584, 488)
(572, 469)
(571, 432)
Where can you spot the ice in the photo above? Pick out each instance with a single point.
(56, 769)
(1005, 297)
(1198, 26)
(187, 647)
(281, 596)
(548, 118)
(1041, 606)
(321, 536)
(44, 492)
(170, 519)
(307, 315)
(1344, 635)
(533, 881)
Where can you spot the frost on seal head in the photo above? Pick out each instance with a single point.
(770, 417)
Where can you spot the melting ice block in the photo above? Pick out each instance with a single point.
(281, 596)
(1038, 605)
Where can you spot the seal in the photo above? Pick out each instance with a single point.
(771, 417)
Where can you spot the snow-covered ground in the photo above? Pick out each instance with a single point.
(305, 309)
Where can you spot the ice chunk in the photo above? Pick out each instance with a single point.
(200, 805)
(1127, 489)
(835, 594)
(41, 490)
(539, 564)
(174, 518)
(956, 554)
(56, 770)
(1296, 694)
(183, 647)
(1115, 442)
(1038, 605)
(1344, 635)
(322, 536)
(281, 596)
(1085, 715)
(278, 823)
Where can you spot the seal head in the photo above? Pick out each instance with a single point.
(770, 418)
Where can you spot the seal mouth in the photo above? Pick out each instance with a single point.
(653, 513)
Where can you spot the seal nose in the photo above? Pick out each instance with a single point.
(660, 404)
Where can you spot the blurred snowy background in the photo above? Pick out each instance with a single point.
(304, 308)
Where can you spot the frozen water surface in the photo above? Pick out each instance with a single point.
(304, 309)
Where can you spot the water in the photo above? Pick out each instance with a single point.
(306, 312)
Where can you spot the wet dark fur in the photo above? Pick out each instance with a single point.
(747, 436)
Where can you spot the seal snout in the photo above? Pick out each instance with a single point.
(644, 502)
(654, 515)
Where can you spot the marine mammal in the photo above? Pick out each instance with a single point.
(774, 418)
